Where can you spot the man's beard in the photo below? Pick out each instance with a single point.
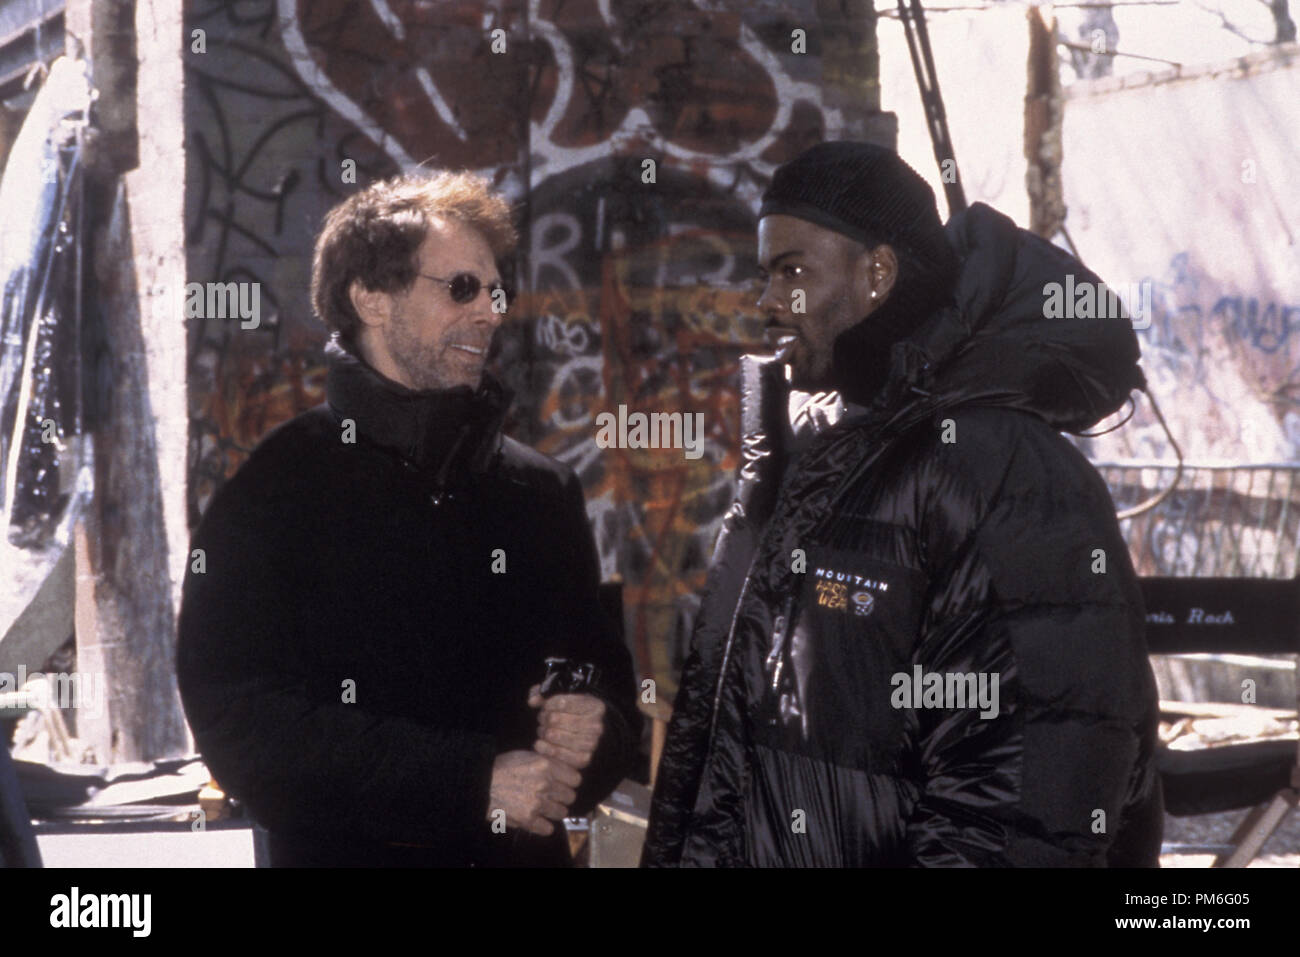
(418, 360)
(818, 372)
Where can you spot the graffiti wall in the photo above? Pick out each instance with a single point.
(638, 276)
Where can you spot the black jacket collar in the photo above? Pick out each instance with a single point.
(444, 432)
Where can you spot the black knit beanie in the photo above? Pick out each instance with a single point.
(866, 192)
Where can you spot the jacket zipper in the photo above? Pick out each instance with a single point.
(780, 630)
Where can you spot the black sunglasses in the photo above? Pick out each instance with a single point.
(464, 287)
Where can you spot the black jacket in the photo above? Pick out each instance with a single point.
(890, 550)
(364, 570)
(18, 846)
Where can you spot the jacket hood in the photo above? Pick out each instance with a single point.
(993, 345)
(442, 430)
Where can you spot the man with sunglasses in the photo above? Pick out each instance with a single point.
(385, 578)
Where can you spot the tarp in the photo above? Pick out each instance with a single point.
(40, 355)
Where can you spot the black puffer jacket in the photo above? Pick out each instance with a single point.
(949, 530)
(359, 645)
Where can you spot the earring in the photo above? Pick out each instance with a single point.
(873, 294)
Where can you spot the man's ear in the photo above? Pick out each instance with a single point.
(879, 268)
(373, 306)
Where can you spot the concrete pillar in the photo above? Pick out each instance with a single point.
(131, 546)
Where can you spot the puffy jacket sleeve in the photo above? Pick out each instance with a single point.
(298, 761)
(685, 753)
(1032, 588)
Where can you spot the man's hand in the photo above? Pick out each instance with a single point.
(569, 726)
(532, 788)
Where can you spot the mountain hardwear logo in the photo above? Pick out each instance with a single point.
(833, 591)
(848, 578)
(863, 603)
